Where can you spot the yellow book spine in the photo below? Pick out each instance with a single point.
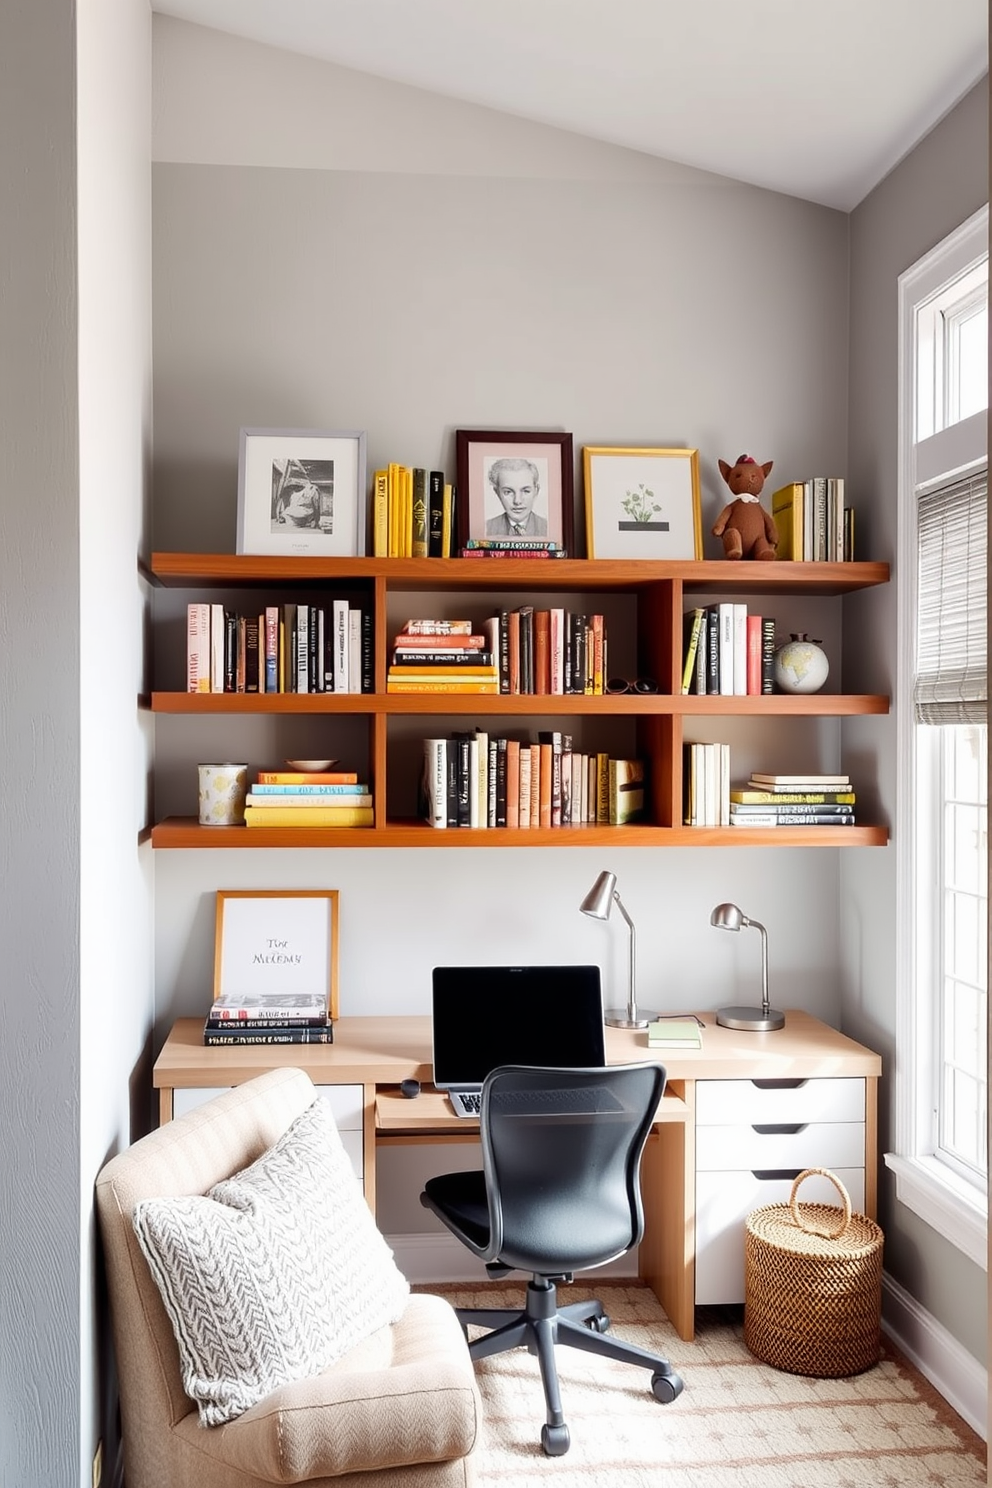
(447, 514)
(309, 816)
(406, 531)
(380, 514)
(395, 496)
(489, 687)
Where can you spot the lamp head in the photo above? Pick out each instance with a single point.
(599, 900)
(729, 917)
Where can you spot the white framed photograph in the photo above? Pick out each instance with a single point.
(642, 503)
(277, 947)
(301, 492)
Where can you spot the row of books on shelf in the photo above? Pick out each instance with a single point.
(413, 513)
(527, 650)
(269, 1018)
(810, 800)
(814, 525)
(284, 648)
(728, 651)
(471, 779)
(300, 798)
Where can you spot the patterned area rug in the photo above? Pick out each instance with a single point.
(737, 1423)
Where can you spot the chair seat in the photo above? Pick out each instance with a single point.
(404, 1396)
(462, 1197)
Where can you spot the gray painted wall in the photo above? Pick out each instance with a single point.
(39, 738)
(75, 931)
(936, 188)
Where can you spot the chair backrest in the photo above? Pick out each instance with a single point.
(561, 1152)
(186, 1156)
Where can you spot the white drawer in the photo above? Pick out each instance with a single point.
(723, 1202)
(814, 1144)
(346, 1101)
(754, 1102)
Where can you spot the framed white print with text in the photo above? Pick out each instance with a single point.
(277, 943)
(301, 492)
(642, 503)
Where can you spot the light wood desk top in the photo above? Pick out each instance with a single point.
(385, 1050)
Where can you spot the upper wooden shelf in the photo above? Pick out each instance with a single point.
(190, 570)
(524, 704)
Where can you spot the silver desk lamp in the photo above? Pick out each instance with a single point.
(750, 1019)
(598, 903)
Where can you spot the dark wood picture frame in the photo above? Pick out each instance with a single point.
(477, 506)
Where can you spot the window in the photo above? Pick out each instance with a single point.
(941, 1156)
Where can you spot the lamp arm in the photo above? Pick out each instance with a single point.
(765, 1004)
(632, 960)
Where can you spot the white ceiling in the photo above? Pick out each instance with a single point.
(815, 98)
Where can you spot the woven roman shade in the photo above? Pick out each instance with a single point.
(951, 684)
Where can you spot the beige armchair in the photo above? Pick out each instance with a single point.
(401, 1407)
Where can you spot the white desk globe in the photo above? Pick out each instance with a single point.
(800, 665)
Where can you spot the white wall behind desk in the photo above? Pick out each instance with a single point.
(404, 911)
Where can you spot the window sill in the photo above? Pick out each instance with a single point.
(947, 1204)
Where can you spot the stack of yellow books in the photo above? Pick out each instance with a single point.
(285, 798)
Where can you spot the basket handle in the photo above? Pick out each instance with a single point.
(796, 1212)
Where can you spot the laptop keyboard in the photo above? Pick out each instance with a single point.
(586, 1101)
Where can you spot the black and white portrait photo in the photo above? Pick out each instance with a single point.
(517, 497)
(302, 495)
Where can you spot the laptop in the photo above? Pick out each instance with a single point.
(488, 1016)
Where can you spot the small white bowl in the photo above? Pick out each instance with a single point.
(311, 766)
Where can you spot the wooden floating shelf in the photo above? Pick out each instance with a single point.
(523, 704)
(186, 832)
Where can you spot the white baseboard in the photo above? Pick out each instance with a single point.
(440, 1258)
(948, 1366)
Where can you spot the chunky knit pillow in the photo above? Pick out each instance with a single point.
(273, 1274)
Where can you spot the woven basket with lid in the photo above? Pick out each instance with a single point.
(813, 1285)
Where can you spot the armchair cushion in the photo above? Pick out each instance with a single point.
(272, 1275)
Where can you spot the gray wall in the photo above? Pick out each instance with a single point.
(76, 892)
(39, 737)
(936, 188)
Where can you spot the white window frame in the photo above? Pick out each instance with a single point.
(928, 1186)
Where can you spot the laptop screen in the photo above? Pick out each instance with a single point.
(487, 1016)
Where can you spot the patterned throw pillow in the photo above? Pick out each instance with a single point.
(273, 1274)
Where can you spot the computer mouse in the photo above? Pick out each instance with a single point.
(410, 1088)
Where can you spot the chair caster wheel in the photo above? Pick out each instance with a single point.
(665, 1387)
(600, 1324)
(555, 1440)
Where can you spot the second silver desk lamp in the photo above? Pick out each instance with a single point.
(751, 1019)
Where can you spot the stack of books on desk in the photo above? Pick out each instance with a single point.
(793, 801)
(286, 798)
(270, 1019)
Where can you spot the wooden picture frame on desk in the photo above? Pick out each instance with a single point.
(279, 941)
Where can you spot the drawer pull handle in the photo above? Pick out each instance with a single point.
(772, 1175)
(778, 1084)
(780, 1128)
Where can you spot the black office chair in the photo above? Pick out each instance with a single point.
(560, 1193)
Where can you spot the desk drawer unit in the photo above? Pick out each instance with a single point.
(752, 1138)
(346, 1101)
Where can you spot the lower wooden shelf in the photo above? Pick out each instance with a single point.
(186, 832)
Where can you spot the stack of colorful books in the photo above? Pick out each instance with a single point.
(793, 801)
(315, 798)
(269, 1018)
(443, 656)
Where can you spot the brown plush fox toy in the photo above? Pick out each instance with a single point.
(746, 528)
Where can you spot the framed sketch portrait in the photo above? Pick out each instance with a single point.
(301, 491)
(515, 488)
(642, 503)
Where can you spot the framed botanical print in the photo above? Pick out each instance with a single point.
(642, 503)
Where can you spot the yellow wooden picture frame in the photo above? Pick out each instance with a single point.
(642, 503)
